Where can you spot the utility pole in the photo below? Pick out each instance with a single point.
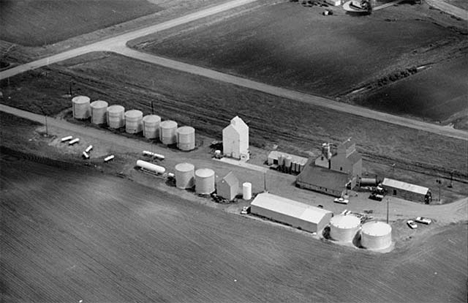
(393, 171)
(451, 180)
(388, 206)
(264, 182)
(439, 181)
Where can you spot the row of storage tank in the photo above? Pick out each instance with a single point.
(374, 235)
(134, 122)
(287, 164)
(203, 179)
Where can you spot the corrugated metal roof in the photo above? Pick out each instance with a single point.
(405, 186)
(323, 177)
(290, 207)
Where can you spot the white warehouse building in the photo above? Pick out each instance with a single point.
(236, 139)
(290, 212)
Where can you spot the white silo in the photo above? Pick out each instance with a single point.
(133, 121)
(247, 191)
(184, 175)
(168, 132)
(115, 116)
(81, 107)
(186, 138)
(151, 126)
(204, 181)
(344, 228)
(98, 112)
(376, 235)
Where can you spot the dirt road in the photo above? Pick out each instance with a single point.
(449, 9)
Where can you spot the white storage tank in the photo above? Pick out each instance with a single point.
(151, 126)
(186, 138)
(376, 235)
(115, 116)
(168, 132)
(81, 107)
(133, 121)
(247, 191)
(98, 112)
(344, 228)
(204, 181)
(184, 175)
(151, 167)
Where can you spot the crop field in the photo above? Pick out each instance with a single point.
(37, 23)
(71, 234)
(291, 46)
(207, 105)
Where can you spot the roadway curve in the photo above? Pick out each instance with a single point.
(118, 44)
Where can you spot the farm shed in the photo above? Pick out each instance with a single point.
(236, 139)
(228, 187)
(323, 180)
(290, 212)
(407, 191)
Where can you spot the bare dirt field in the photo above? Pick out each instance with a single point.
(71, 234)
(36, 23)
(292, 46)
(207, 105)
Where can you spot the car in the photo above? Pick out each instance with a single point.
(341, 200)
(245, 210)
(412, 224)
(423, 220)
(376, 197)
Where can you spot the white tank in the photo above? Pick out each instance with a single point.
(168, 132)
(288, 161)
(376, 235)
(184, 175)
(204, 181)
(133, 121)
(247, 191)
(98, 112)
(186, 138)
(151, 126)
(81, 107)
(280, 160)
(115, 116)
(344, 228)
(151, 167)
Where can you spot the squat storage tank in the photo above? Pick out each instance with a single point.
(204, 181)
(376, 235)
(133, 121)
(81, 107)
(98, 112)
(168, 132)
(247, 191)
(344, 228)
(151, 126)
(184, 175)
(115, 116)
(186, 138)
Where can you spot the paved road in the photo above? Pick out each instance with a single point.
(294, 95)
(449, 9)
(118, 45)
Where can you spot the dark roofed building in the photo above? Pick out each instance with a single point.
(228, 187)
(323, 180)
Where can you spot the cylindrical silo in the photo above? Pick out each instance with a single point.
(247, 191)
(186, 138)
(280, 160)
(184, 175)
(151, 126)
(115, 116)
(133, 121)
(168, 132)
(81, 107)
(204, 181)
(344, 228)
(98, 112)
(376, 235)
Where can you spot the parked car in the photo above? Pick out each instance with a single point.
(245, 210)
(423, 220)
(412, 224)
(341, 200)
(377, 197)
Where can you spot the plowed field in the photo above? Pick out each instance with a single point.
(73, 234)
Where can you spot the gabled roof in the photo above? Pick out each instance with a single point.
(230, 179)
(290, 207)
(323, 177)
(405, 186)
